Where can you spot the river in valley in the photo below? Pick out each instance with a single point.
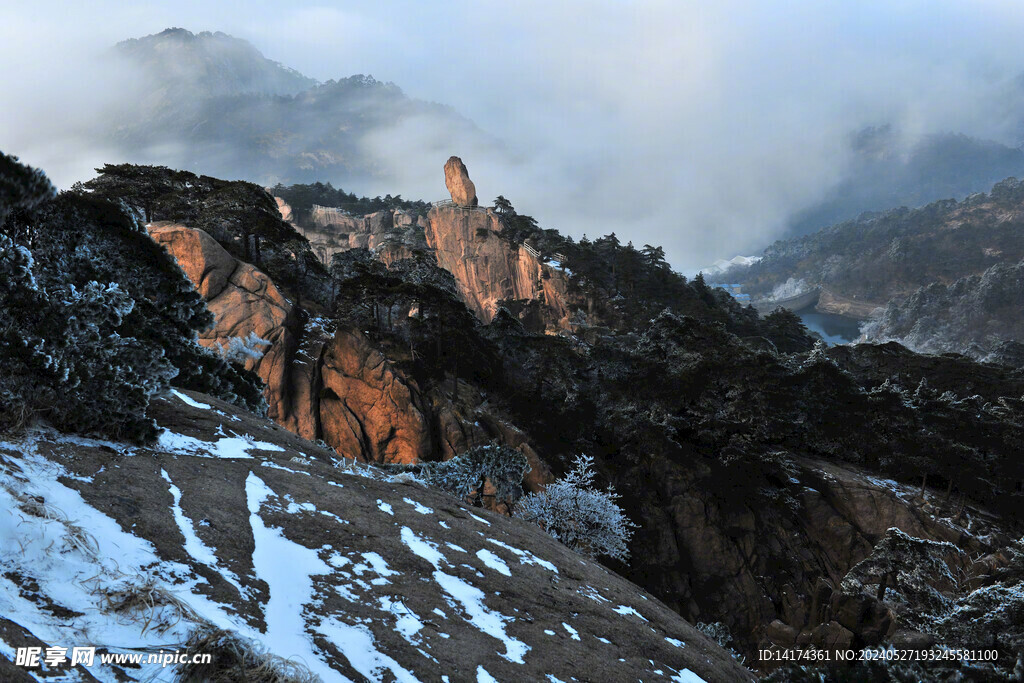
(835, 329)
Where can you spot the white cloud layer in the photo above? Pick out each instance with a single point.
(700, 126)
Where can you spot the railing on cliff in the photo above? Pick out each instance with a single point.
(449, 204)
(330, 209)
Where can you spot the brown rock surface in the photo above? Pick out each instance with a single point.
(488, 269)
(706, 556)
(456, 179)
(285, 209)
(207, 264)
(367, 409)
(243, 299)
(332, 230)
(333, 385)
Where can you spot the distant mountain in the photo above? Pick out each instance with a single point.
(179, 62)
(978, 315)
(214, 104)
(947, 276)
(885, 172)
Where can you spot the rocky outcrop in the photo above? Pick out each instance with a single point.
(286, 210)
(243, 300)
(332, 384)
(345, 572)
(456, 179)
(830, 302)
(708, 556)
(489, 269)
(367, 407)
(331, 230)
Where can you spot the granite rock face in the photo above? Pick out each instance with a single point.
(243, 300)
(456, 179)
(489, 269)
(333, 384)
(331, 230)
(368, 407)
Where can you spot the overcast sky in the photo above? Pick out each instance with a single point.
(697, 125)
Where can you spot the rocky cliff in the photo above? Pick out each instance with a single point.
(467, 243)
(489, 269)
(712, 555)
(392, 234)
(243, 301)
(330, 382)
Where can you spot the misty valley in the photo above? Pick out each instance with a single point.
(495, 422)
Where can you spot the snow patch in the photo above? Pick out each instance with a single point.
(357, 645)
(187, 400)
(494, 562)
(626, 610)
(422, 509)
(194, 546)
(687, 676)
(483, 677)
(231, 447)
(479, 519)
(287, 568)
(470, 597)
(525, 557)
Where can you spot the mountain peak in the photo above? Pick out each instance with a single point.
(209, 63)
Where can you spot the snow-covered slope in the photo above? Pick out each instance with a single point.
(234, 527)
(722, 265)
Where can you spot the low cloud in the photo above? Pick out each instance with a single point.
(702, 128)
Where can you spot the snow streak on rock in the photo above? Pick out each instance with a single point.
(471, 598)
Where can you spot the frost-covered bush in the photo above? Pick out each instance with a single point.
(468, 473)
(587, 520)
(719, 632)
(242, 349)
(64, 359)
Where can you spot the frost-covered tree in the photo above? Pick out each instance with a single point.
(65, 358)
(95, 317)
(586, 519)
(916, 571)
(21, 186)
(82, 238)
